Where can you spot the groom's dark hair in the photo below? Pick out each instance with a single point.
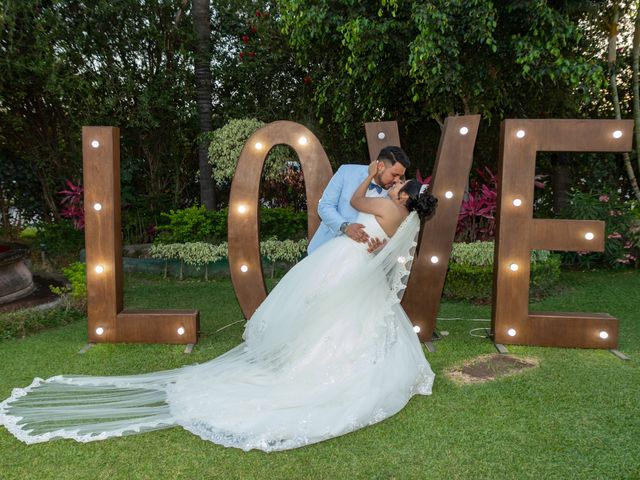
(392, 154)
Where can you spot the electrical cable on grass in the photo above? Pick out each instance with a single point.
(486, 330)
(439, 319)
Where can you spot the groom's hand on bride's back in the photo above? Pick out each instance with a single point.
(355, 231)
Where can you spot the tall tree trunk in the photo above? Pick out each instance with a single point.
(634, 76)
(613, 37)
(202, 24)
(4, 213)
(50, 203)
(560, 181)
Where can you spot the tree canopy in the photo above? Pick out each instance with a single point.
(331, 65)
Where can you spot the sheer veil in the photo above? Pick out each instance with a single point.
(396, 258)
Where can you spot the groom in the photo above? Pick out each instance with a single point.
(335, 208)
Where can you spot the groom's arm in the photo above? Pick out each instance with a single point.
(328, 204)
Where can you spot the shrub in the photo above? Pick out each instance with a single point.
(201, 254)
(476, 219)
(287, 251)
(470, 275)
(197, 224)
(227, 143)
(60, 238)
(622, 229)
(74, 296)
(481, 254)
(76, 273)
(72, 204)
(283, 223)
(22, 322)
(193, 224)
(193, 253)
(29, 233)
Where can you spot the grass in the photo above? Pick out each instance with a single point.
(575, 416)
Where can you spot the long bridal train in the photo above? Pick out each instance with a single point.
(329, 351)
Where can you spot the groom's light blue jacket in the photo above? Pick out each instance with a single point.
(334, 206)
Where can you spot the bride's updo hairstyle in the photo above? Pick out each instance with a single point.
(424, 204)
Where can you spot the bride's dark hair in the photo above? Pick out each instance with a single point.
(423, 203)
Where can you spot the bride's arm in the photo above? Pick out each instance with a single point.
(361, 202)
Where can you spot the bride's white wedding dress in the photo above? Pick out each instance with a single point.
(329, 351)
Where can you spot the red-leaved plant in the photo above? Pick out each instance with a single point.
(72, 203)
(476, 219)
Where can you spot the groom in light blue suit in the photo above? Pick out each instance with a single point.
(334, 207)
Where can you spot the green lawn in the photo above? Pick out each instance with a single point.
(576, 416)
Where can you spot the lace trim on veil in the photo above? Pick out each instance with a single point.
(397, 256)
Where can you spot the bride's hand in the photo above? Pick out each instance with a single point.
(375, 244)
(356, 231)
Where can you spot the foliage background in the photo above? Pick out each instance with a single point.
(329, 65)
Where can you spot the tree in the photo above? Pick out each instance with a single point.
(612, 23)
(417, 62)
(60, 69)
(255, 69)
(202, 24)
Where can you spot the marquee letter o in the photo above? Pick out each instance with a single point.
(243, 223)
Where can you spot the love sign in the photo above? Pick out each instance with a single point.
(517, 232)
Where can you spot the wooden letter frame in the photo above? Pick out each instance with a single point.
(517, 233)
(108, 321)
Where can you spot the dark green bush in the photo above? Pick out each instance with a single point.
(23, 322)
(193, 224)
(283, 223)
(622, 229)
(60, 238)
(74, 296)
(197, 224)
(474, 283)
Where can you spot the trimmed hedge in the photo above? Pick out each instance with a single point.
(197, 224)
(21, 323)
(470, 277)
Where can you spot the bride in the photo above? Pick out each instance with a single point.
(330, 350)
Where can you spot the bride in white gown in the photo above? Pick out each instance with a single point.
(329, 351)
